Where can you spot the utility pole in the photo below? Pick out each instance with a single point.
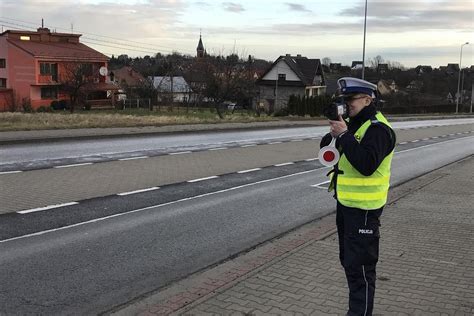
(459, 78)
(363, 49)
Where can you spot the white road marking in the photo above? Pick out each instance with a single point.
(434, 137)
(296, 140)
(195, 197)
(249, 145)
(284, 164)
(133, 158)
(402, 143)
(249, 170)
(95, 220)
(273, 143)
(426, 138)
(138, 191)
(414, 141)
(219, 148)
(46, 208)
(74, 165)
(202, 179)
(10, 172)
(318, 185)
(180, 153)
(311, 159)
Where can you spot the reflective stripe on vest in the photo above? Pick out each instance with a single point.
(364, 192)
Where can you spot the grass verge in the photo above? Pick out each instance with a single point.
(129, 118)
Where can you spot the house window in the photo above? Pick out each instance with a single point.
(3, 82)
(24, 38)
(48, 69)
(49, 93)
(281, 76)
(3, 62)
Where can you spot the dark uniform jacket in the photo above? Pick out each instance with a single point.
(377, 143)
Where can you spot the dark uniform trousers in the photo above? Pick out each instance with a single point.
(358, 232)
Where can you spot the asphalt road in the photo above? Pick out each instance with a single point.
(104, 251)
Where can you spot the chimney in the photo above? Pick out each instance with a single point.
(288, 55)
(299, 55)
(43, 30)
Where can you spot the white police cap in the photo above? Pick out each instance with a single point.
(350, 85)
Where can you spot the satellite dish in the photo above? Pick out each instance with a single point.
(103, 71)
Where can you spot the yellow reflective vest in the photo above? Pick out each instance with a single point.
(364, 192)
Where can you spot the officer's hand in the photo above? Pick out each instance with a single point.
(337, 127)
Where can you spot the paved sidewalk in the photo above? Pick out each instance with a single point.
(426, 263)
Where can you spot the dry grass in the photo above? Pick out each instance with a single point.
(39, 121)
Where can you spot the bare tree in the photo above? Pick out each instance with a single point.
(75, 79)
(376, 61)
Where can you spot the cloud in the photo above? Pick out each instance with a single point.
(387, 16)
(233, 7)
(297, 7)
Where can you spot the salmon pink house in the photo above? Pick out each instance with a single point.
(34, 68)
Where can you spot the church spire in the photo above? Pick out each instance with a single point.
(200, 48)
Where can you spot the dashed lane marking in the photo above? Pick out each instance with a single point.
(49, 207)
(202, 179)
(133, 158)
(138, 191)
(284, 164)
(180, 153)
(249, 170)
(10, 172)
(73, 165)
(311, 159)
(274, 143)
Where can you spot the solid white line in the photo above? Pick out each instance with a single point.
(133, 158)
(46, 208)
(10, 172)
(138, 191)
(219, 148)
(180, 153)
(249, 170)
(193, 197)
(311, 159)
(74, 165)
(159, 205)
(284, 164)
(273, 143)
(249, 145)
(429, 145)
(203, 179)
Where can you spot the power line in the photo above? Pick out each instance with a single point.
(124, 46)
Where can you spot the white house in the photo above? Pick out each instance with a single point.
(174, 89)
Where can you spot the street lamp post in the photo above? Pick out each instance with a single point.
(459, 78)
(363, 48)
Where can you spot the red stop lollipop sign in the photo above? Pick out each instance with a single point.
(329, 155)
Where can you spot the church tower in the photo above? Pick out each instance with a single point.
(200, 48)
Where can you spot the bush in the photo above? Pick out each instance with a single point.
(282, 112)
(26, 105)
(44, 109)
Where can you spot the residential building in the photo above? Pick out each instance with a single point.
(172, 89)
(290, 75)
(35, 66)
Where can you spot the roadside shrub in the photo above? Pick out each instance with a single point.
(44, 109)
(281, 112)
(26, 105)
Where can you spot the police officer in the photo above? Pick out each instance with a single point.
(361, 181)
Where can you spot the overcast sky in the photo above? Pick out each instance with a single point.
(411, 32)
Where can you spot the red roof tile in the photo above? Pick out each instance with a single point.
(66, 51)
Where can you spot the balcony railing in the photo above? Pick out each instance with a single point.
(48, 79)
